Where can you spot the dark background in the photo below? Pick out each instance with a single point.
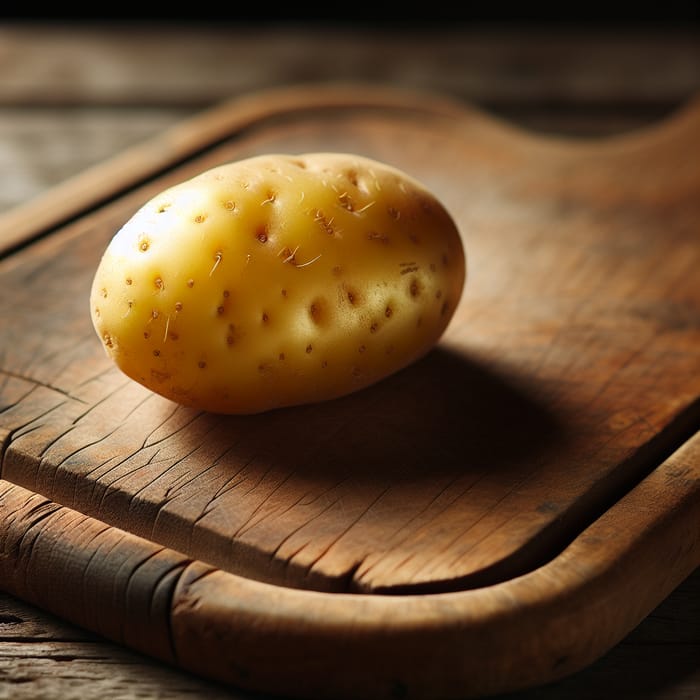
(622, 15)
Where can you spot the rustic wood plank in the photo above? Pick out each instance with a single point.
(140, 64)
(71, 671)
(587, 354)
(44, 656)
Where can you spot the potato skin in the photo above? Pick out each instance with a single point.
(278, 280)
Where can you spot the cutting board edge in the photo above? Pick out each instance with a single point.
(544, 625)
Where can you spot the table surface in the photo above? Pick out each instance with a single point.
(72, 95)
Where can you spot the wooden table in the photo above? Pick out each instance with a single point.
(73, 96)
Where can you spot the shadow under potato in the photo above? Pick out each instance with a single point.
(444, 414)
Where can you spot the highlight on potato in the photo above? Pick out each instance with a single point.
(278, 280)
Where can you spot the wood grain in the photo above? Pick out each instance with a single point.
(44, 657)
(577, 339)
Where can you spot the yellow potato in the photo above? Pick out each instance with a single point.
(278, 280)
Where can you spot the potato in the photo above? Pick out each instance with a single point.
(278, 280)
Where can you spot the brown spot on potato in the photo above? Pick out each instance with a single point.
(353, 296)
(317, 310)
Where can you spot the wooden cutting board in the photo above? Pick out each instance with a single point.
(497, 515)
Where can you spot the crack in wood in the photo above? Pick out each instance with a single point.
(196, 416)
(309, 568)
(38, 383)
(249, 523)
(298, 529)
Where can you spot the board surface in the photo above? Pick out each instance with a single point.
(567, 382)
